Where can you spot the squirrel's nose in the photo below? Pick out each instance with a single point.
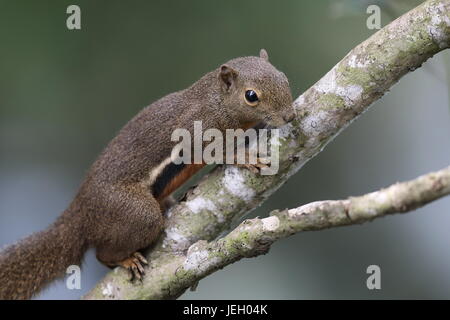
(289, 117)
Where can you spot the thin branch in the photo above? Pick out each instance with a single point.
(228, 193)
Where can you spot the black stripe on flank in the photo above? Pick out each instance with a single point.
(164, 178)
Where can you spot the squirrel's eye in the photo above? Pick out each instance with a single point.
(251, 97)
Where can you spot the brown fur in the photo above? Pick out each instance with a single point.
(114, 211)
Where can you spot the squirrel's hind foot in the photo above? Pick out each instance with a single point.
(135, 266)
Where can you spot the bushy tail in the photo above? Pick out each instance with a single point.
(29, 265)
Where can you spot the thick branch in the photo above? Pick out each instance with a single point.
(228, 193)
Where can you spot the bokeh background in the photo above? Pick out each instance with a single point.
(64, 94)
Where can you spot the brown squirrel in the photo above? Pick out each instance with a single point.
(118, 209)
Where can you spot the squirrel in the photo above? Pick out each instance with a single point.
(119, 207)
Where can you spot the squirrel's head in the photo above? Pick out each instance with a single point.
(257, 91)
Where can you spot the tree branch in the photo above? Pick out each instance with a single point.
(228, 193)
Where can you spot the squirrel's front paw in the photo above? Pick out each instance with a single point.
(134, 265)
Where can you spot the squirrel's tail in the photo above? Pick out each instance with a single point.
(29, 265)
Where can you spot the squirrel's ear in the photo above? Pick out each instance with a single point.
(227, 76)
(263, 54)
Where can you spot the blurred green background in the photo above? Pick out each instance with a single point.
(64, 94)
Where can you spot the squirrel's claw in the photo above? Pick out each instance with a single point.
(134, 265)
(141, 258)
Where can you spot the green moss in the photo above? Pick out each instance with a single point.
(354, 76)
(330, 101)
(231, 245)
